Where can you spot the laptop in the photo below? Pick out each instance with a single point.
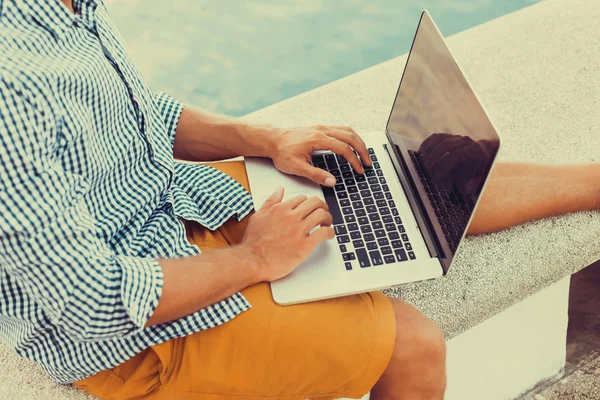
(405, 219)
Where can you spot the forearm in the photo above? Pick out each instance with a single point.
(193, 283)
(517, 193)
(203, 136)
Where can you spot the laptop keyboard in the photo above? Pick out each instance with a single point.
(447, 202)
(368, 228)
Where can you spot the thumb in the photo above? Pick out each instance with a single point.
(317, 175)
(273, 199)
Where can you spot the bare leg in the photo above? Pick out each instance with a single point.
(517, 193)
(417, 369)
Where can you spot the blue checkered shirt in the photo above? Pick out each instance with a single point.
(90, 195)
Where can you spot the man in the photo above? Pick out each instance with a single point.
(102, 282)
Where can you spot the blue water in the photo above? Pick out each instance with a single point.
(238, 56)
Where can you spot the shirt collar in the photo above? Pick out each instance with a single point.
(53, 15)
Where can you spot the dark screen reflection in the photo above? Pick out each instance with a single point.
(443, 134)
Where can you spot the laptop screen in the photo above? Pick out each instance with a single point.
(446, 142)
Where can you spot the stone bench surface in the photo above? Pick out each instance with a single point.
(537, 73)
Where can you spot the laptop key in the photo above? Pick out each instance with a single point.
(392, 203)
(318, 159)
(377, 225)
(330, 161)
(360, 178)
(357, 204)
(355, 235)
(386, 250)
(339, 188)
(341, 195)
(401, 228)
(347, 174)
(371, 150)
(401, 254)
(390, 227)
(347, 210)
(363, 220)
(407, 246)
(389, 259)
(358, 243)
(376, 165)
(366, 229)
(341, 159)
(379, 172)
(373, 157)
(394, 212)
(396, 244)
(376, 257)
(344, 167)
(331, 201)
(353, 227)
(397, 220)
(376, 188)
(363, 185)
(350, 218)
(371, 246)
(381, 203)
(371, 209)
(365, 193)
(374, 217)
(388, 219)
(343, 239)
(388, 195)
(354, 196)
(360, 212)
(384, 210)
(335, 172)
(352, 189)
(369, 237)
(348, 256)
(343, 248)
(380, 233)
(411, 255)
(405, 237)
(382, 180)
(369, 200)
(348, 266)
(363, 258)
(373, 180)
(369, 172)
(382, 242)
(344, 202)
(394, 235)
(377, 195)
(340, 230)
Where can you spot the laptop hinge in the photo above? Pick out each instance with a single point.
(417, 206)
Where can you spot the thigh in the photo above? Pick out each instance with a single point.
(321, 350)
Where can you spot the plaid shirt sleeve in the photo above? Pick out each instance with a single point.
(170, 111)
(48, 239)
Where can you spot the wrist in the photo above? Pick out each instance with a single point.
(252, 264)
(266, 141)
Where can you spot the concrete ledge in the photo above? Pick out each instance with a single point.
(537, 72)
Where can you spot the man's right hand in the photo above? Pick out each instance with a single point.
(278, 234)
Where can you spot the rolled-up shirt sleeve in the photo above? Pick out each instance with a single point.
(170, 111)
(49, 241)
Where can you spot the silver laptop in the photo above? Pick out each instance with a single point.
(405, 218)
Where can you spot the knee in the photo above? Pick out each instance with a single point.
(419, 340)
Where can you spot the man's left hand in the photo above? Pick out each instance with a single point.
(293, 148)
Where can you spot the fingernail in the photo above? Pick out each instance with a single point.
(330, 181)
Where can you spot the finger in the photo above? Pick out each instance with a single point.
(320, 235)
(295, 201)
(352, 138)
(343, 149)
(318, 217)
(273, 199)
(309, 206)
(315, 174)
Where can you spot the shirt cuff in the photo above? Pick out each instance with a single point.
(170, 110)
(141, 288)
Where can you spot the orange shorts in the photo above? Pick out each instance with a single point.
(323, 350)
